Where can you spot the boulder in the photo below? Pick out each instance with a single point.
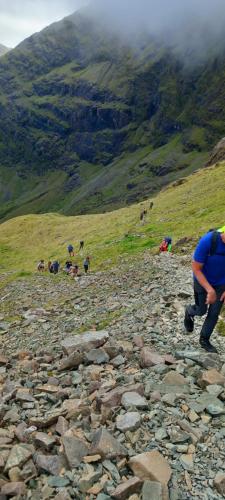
(75, 450)
(85, 342)
(211, 377)
(124, 490)
(219, 483)
(107, 446)
(152, 466)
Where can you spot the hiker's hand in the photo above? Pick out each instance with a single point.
(222, 298)
(211, 297)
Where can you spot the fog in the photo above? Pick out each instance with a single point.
(194, 27)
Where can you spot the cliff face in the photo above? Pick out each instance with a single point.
(108, 123)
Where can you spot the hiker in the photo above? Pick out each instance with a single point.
(166, 245)
(55, 267)
(70, 250)
(41, 266)
(151, 205)
(49, 266)
(81, 245)
(208, 267)
(73, 272)
(86, 264)
(68, 266)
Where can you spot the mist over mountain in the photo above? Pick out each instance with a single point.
(194, 29)
(90, 121)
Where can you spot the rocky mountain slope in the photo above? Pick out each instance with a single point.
(102, 396)
(88, 122)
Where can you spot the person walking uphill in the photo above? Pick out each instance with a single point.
(209, 285)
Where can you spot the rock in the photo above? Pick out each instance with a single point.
(24, 396)
(118, 361)
(106, 445)
(97, 356)
(187, 462)
(152, 465)
(124, 490)
(18, 456)
(15, 475)
(150, 358)
(92, 458)
(211, 377)
(128, 422)
(113, 397)
(73, 361)
(47, 420)
(138, 341)
(219, 483)
(133, 400)
(14, 489)
(63, 495)
(215, 390)
(75, 450)
(176, 436)
(152, 491)
(174, 378)
(53, 464)
(42, 440)
(3, 360)
(58, 482)
(85, 341)
(75, 407)
(62, 426)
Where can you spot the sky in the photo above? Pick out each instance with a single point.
(21, 18)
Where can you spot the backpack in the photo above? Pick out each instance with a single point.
(214, 242)
(168, 240)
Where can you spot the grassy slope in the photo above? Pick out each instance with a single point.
(187, 209)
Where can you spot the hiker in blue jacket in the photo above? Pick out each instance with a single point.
(208, 267)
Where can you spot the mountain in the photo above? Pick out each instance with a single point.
(89, 123)
(3, 50)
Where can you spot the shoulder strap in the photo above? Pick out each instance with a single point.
(214, 241)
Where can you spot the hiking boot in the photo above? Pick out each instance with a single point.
(205, 344)
(188, 322)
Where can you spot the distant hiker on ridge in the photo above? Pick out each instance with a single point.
(70, 250)
(166, 245)
(41, 266)
(55, 267)
(86, 264)
(81, 245)
(208, 267)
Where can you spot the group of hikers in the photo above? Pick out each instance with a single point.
(208, 267)
(70, 268)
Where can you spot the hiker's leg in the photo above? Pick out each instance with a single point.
(212, 316)
(200, 307)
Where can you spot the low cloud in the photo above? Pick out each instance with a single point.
(194, 27)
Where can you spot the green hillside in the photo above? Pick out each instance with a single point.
(186, 208)
(89, 124)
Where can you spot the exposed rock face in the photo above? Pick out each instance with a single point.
(218, 153)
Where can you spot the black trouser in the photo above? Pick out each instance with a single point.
(201, 308)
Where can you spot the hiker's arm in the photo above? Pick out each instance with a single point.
(197, 270)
